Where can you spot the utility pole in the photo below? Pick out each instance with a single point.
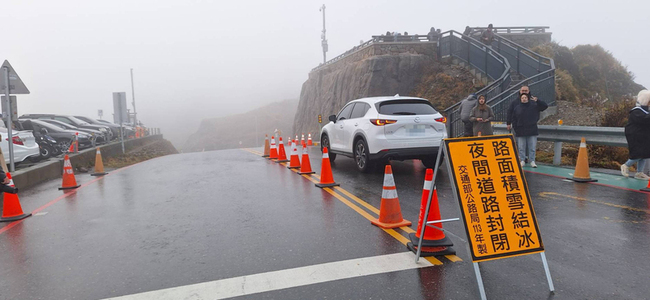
(322, 36)
(135, 115)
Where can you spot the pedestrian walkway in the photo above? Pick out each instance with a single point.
(604, 178)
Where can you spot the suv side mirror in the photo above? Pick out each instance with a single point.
(332, 118)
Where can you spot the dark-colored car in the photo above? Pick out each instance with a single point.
(128, 130)
(61, 135)
(100, 138)
(115, 129)
(70, 120)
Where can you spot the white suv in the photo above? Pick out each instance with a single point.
(385, 128)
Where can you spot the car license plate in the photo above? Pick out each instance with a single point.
(415, 130)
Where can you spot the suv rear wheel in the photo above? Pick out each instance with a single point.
(361, 157)
(325, 142)
(430, 162)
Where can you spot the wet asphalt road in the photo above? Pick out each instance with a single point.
(197, 217)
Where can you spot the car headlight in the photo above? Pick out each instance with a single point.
(102, 129)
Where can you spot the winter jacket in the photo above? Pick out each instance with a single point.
(466, 107)
(637, 132)
(525, 117)
(485, 128)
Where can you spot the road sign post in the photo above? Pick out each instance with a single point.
(11, 85)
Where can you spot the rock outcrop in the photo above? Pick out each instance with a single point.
(382, 69)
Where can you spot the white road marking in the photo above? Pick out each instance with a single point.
(276, 280)
(40, 213)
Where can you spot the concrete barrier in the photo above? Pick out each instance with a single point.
(53, 168)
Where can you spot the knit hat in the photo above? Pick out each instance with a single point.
(643, 98)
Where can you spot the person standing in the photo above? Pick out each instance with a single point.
(487, 36)
(525, 116)
(466, 107)
(637, 134)
(524, 89)
(481, 117)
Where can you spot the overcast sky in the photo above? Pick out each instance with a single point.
(199, 59)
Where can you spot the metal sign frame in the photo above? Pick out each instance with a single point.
(444, 150)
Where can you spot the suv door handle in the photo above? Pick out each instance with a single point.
(356, 124)
(341, 126)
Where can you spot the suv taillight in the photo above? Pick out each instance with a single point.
(442, 120)
(381, 122)
(17, 140)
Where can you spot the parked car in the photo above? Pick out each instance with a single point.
(61, 135)
(99, 137)
(385, 128)
(25, 145)
(128, 130)
(70, 120)
(115, 129)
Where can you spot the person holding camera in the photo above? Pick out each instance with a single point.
(524, 118)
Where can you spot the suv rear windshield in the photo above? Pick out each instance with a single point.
(406, 107)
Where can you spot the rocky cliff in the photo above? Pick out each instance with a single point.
(383, 69)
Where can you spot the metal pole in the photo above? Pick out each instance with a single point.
(122, 136)
(548, 273)
(323, 37)
(479, 279)
(135, 115)
(9, 123)
(426, 210)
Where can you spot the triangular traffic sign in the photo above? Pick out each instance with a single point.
(16, 86)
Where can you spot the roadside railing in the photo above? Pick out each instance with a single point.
(477, 55)
(515, 29)
(538, 72)
(607, 136)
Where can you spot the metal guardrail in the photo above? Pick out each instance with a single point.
(608, 136)
(376, 39)
(514, 29)
(538, 72)
(477, 55)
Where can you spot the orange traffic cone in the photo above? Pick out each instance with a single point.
(11, 209)
(289, 142)
(274, 150)
(294, 163)
(69, 181)
(390, 213)
(305, 165)
(581, 173)
(282, 156)
(99, 164)
(267, 147)
(302, 139)
(434, 242)
(73, 144)
(326, 178)
(309, 142)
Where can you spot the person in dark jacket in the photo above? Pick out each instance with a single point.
(525, 116)
(524, 89)
(487, 36)
(637, 133)
(466, 107)
(481, 117)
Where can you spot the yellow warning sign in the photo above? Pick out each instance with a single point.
(493, 195)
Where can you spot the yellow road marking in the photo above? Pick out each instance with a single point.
(550, 194)
(355, 198)
(392, 232)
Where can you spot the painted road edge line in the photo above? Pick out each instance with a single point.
(288, 278)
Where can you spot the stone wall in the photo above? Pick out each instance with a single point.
(379, 69)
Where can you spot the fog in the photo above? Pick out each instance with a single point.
(201, 59)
